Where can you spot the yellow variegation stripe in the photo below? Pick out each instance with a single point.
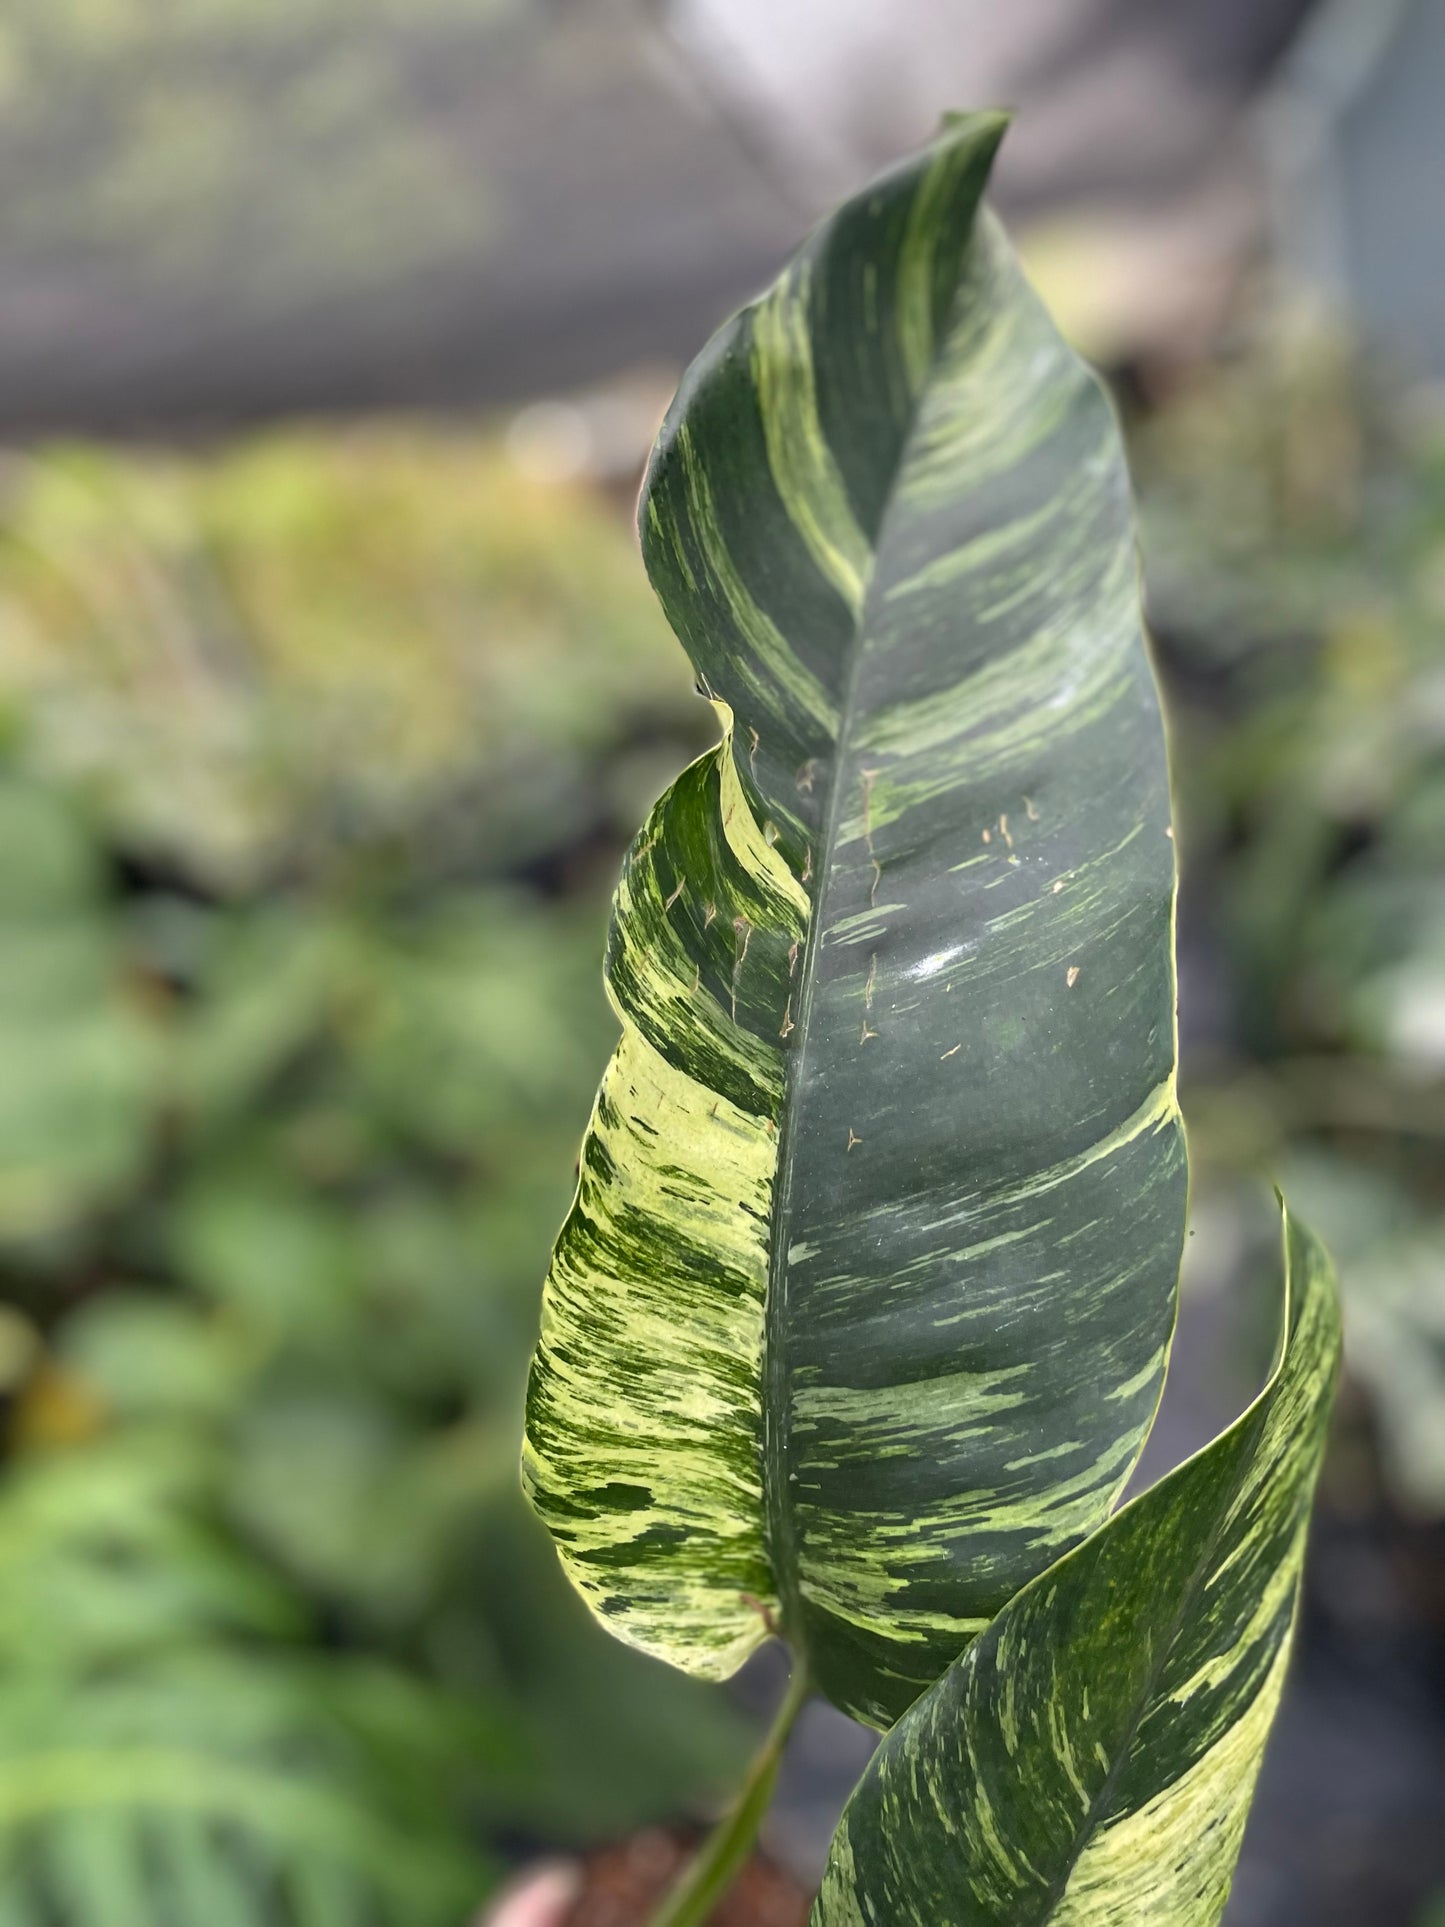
(809, 485)
(768, 662)
(643, 1425)
(669, 1438)
(1169, 1863)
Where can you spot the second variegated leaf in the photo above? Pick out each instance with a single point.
(1091, 1758)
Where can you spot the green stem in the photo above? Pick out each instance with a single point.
(729, 1846)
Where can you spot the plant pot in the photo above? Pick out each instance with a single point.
(621, 1885)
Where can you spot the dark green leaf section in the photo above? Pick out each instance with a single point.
(863, 1309)
(1091, 1758)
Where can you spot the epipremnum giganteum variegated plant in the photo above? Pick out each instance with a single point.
(861, 1316)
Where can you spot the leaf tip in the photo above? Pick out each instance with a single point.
(984, 127)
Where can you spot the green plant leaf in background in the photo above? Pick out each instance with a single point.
(79, 1052)
(861, 1314)
(171, 1753)
(1092, 1756)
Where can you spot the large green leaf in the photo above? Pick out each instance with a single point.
(1092, 1756)
(861, 1314)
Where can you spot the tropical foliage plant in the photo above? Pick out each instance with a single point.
(861, 1315)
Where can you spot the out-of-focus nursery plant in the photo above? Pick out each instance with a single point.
(314, 755)
(859, 1321)
(1295, 532)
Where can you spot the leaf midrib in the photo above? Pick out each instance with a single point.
(777, 1406)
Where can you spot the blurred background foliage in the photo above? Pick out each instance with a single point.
(1294, 532)
(318, 754)
(131, 128)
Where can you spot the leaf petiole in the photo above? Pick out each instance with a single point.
(728, 1847)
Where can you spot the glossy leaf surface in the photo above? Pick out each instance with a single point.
(861, 1315)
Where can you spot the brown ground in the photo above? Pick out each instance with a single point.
(622, 1884)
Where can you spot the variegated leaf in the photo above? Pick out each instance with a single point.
(862, 1311)
(1091, 1758)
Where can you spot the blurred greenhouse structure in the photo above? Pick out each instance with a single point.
(330, 689)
